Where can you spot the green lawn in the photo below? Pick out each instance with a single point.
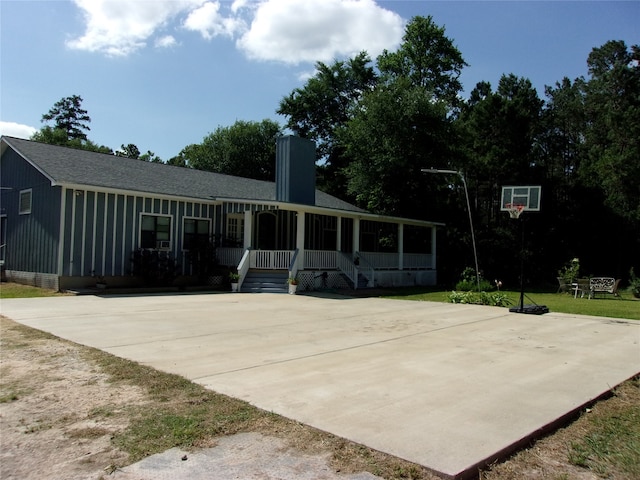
(16, 290)
(625, 306)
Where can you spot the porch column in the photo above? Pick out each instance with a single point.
(339, 234)
(248, 229)
(401, 246)
(356, 235)
(300, 228)
(433, 247)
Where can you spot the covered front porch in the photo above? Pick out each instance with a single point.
(331, 249)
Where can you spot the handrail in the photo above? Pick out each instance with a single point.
(243, 267)
(345, 265)
(293, 265)
(368, 267)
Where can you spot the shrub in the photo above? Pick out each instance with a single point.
(156, 268)
(569, 273)
(468, 282)
(495, 299)
(634, 283)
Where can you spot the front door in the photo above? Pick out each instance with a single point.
(266, 224)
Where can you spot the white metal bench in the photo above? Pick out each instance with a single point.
(603, 285)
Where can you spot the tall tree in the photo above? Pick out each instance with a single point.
(397, 130)
(325, 103)
(245, 149)
(612, 105)
(56, 136)
(129, 151)
(404, 123)
(428, 58)
(69, 116)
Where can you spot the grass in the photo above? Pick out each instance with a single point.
(16, 290)
(624, 306)
(611, 444)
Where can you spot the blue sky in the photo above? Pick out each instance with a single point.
(164, 74)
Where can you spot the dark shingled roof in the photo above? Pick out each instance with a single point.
(69, 166)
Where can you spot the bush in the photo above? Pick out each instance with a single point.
(494, 299)
(634, 284)
(156, 268)
(570, 271)
(469, 283)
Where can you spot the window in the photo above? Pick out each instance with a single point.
(196, 232)
(25, 202)
(155, 232)
(235, 229)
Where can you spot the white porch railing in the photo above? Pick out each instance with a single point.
(243, 268)
(381, 260)
(320, 259)
(346, 266)
(229, 257)
(367, 269)
(417, 260)
(271, 259)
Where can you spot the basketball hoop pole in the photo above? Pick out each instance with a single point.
(466, 194)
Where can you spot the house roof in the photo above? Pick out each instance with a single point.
(73, 167)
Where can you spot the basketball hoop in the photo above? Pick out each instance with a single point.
(514, 209)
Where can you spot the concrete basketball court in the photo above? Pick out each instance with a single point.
(450, 387)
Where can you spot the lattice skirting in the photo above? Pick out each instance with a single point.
(313, 280)
(41, 280)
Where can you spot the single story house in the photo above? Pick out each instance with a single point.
(69, 216)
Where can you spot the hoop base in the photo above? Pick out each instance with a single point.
(530, 309)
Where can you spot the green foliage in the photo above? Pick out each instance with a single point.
(245, 149)
(427, 58)
(611, 443)
(56, 136)
(129, 151)
(612, 145)
(569, 273)
(396, 130)
(469, 282)
(326, 101)
(495, 299)
(634, 283)
(17, 290)
(323, 106)
(156, 268)
(69, 116)
(202, 259)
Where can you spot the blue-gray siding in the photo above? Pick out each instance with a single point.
(31, 239)
(102, 229)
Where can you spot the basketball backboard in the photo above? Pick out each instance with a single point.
(527, 196)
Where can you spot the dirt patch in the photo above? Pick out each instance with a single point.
(50, 413)
(60, 413)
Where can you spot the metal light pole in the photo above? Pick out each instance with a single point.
(466, 193)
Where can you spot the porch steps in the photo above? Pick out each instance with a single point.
(265, 281)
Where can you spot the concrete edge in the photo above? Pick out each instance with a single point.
(472, 471)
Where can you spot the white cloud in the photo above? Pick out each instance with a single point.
(295, 31)
(19, 130)
(209, 22)
(166, 41)
(118, 28)
(289, 31)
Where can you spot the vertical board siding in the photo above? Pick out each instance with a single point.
(32, 239)
(103, 229)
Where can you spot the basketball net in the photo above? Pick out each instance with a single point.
(514, 210)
